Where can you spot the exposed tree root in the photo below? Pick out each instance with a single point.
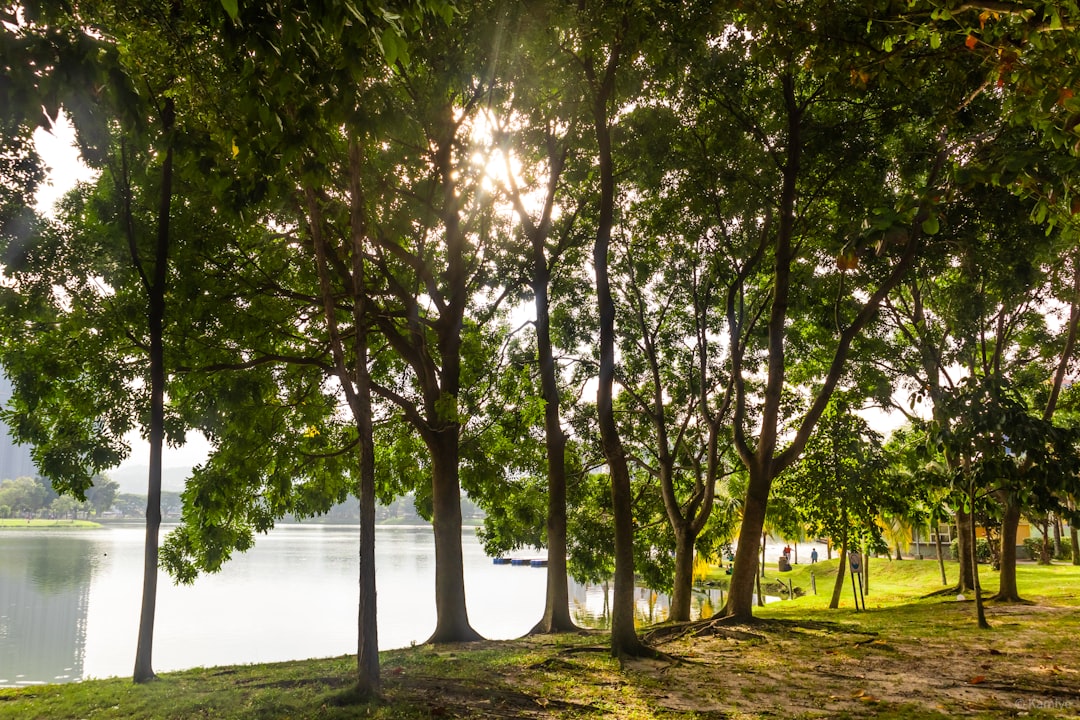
(558, 628)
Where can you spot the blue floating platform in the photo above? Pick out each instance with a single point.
(538, 563)
(501, 561)
(519, 561)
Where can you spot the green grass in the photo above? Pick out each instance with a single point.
(912, 654)
(37, 524)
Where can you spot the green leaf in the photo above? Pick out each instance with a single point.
(232, 7)
(390, 45)
(930, 225)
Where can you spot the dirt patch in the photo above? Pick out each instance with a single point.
(776, 669)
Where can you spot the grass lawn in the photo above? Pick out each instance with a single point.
(910, 655)
(37, 524)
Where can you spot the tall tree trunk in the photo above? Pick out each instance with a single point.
(764, 542)
(940, 556)
(1044, 547)
(838, 585)
(965, 548)
(1074, 538)
(367, 642)
(355, 382)
(864, 576)
(368, 683)
(624, 638)
(1057, 535)
(684, 575)
(1007, 591)
(452, 624)
(556, 616)
(740, 601)
(156, 287)
(980, 609)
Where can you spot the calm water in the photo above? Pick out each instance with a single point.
(69, 600)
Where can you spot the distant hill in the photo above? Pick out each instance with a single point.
(132, 478)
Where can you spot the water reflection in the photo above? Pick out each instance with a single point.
(590, 605)
(69, 600)
(44, 600)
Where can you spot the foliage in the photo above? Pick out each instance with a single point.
(840, 485)
(982, 550)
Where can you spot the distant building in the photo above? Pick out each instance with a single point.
(15, 459)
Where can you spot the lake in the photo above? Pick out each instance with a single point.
(69, 600)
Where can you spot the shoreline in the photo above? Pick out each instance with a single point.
(39, 524)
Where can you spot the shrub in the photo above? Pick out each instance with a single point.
(1033, 546)
(982, 550)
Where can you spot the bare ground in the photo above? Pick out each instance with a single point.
(782, 669)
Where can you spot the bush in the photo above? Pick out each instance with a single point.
(1033, 546)
(982, 550)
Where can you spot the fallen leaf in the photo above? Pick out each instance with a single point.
(977, 679)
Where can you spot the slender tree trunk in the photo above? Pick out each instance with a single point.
(624, 638)
(556, 616)
(367, 643)
(1044, 548)
(1057, 536)
(940, 557)
(453, 618)
(865, 574)
(980, 609)
(144, 671)
(684, 575)
(1007, 591)
(965, 547)
(368, 682)
(764, 541)
(838, 585)
(1074, 537)
(155, 286)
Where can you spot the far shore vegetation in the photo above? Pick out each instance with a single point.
(914, 653)
(38, 523)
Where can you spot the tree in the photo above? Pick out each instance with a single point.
(997, 441)
(840, 485)
(669, 352)
(815, 151)
(77, 436)
(22, 495)
(540, 96)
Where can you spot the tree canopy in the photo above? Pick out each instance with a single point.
(634, 250)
